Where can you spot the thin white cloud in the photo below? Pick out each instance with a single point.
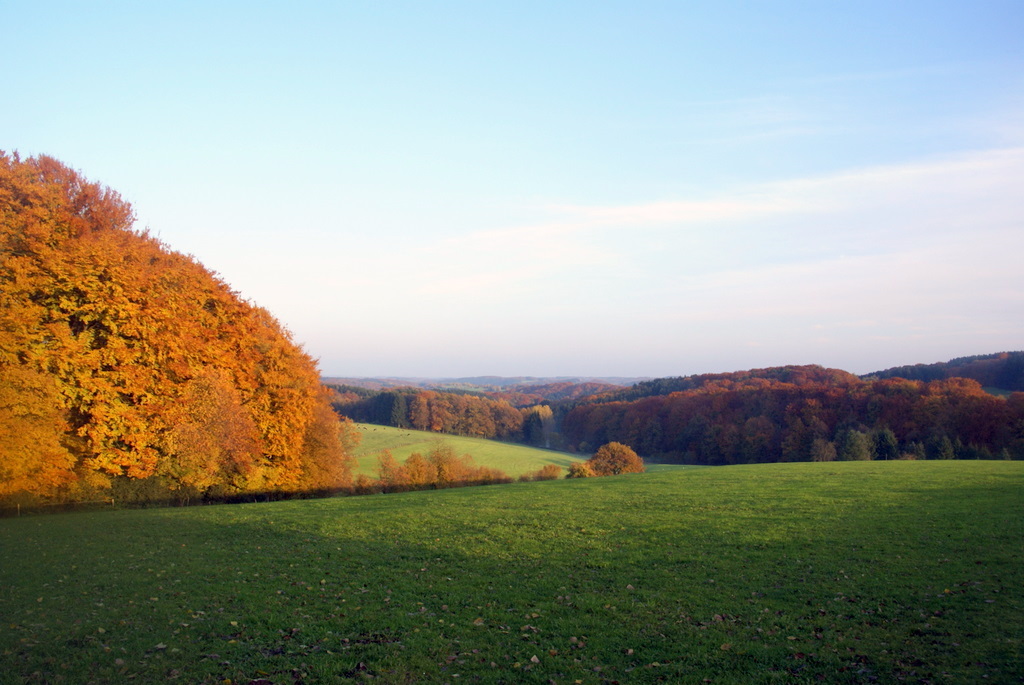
(794, 232)
(984, 174)
(750, 206)
(923, 255)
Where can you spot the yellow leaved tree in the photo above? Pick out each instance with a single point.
(125, 362)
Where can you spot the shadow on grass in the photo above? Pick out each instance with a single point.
(673, 576)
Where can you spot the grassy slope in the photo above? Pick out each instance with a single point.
(844, 572)
(510, 458)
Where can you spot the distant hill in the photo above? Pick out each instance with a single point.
(795, 375)
(466, 410)
(527, 394)
(510, 458)
(1002, 370)
(478, 383)
(803, 413)
(785, 413)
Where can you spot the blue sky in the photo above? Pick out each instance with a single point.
(571, 188)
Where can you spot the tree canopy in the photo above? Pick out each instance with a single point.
(814, 414)
(122, 361)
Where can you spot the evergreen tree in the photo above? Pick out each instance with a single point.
(940, 448)
(886, 445)
(854, 445)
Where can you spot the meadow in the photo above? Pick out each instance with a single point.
(511, 458)
(848, 572)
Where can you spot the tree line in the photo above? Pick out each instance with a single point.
(789, 413)
(1003, 370)
(442, 468)
(430, 410)
(804, 414)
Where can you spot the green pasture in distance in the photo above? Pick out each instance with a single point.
(655, 467)
(844, 572)
(513, 459)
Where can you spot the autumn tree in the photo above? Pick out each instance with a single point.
(448, 469)
(549, 472)
(538, 425)
(580, 469)
(135, 363)
(546, 472)
(419, 412)
(212, 440)
(418, 471)
(327, 448)
(615, 458)
(390, 473)
(442, 468)
(781, 414)
(430, 410)
(33, 458)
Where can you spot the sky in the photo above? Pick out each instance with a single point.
(445, 189)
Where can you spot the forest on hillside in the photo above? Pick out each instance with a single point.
(130, 371)
(755, 420)
(1002, 370)
(790, 413)
(454, 413)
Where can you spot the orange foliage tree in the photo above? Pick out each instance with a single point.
(32, 456)
(441, 468)
(546, 472)
(135, 363)
(614, 459)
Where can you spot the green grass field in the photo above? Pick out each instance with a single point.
(513, 459)
(850, 572)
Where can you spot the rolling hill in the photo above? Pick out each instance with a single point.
(854, 572)
(511, 458)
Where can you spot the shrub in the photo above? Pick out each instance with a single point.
(549, 472)
(580, 469)
(823, 450)
(615, 458)
(546, 472)
(441, 468)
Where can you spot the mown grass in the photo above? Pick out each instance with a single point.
(513, 459)
(845, 572)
